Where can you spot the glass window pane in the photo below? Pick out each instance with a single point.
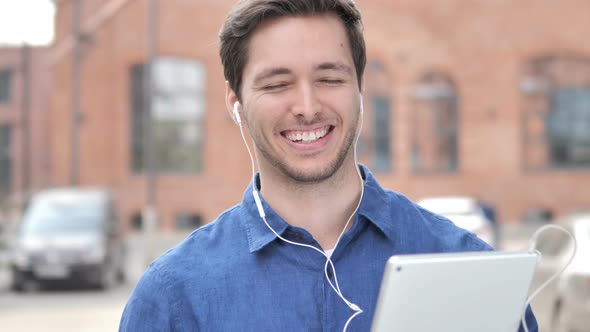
(5, 160)
(375, 141)
(381, 107)
(563, 105)
(5, 85)
(434, 124)
(178, 107)
(188, 221)
(568, 126)
(137, 110)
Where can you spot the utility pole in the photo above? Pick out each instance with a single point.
(150, 214)
(75, 93)
(25, 119)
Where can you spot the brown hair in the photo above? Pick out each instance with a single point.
(247, 15)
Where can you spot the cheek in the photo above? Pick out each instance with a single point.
(340, 98)
(259, 122)
(266, 111)
(346, 107)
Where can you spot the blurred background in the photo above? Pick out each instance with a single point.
(115, 142)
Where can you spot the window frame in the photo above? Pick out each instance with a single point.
(434, 88)
(372, 144)
(540, 82)
(6, 81)
(6, 160)
(158, 125)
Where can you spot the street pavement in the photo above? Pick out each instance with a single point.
(5, 278)
(63, 310)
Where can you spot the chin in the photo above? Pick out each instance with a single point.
(313, 172)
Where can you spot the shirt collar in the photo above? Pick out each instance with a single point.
(258, 233)
(376, 206)
(373, 208)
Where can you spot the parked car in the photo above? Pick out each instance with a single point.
(69, 234)
(465, 212)
(571, 291)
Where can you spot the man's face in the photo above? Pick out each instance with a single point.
(300, 97)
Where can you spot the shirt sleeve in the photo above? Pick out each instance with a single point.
(148, 308)
(530, 321)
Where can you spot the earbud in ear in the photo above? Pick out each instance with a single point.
(362, 107)
(237, 118)
(361, 117)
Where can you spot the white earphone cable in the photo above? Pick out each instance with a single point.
(335, 286)
(533, 248)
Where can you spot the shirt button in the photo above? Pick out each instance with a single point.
(297, 236)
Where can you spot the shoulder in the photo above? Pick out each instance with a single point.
(186, 269)
(453, 237)
(149, 306)
(206, 245)
(428, 231)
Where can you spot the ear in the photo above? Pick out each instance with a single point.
(230, 99)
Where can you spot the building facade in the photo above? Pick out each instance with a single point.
(24, 88)
(479, 98)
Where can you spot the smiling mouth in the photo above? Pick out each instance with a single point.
(306, 136)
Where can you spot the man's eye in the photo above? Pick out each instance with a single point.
(271, 87)
(329, 81)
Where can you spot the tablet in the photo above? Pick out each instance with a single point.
(455, 292)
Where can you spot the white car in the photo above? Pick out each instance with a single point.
(571, 300)
(465, 212)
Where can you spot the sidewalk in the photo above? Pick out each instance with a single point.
(5, 278)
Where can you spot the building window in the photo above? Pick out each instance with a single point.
(178, 105)
(188, 221)
(374, 146)
(5, 161)
(434, 123)
(5, 85)
(556, 114)
(137, 222)
(137, 130)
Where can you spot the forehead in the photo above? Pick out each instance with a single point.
(297, 43)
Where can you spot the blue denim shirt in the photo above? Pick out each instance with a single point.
(234, 274)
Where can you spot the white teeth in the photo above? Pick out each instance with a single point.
(308, 136)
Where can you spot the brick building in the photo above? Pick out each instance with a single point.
(24, 154)
(483, 98)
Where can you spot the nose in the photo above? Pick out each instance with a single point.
(307, 104)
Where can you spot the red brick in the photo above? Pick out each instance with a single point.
(482, 45)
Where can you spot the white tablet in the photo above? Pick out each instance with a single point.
(454, 292)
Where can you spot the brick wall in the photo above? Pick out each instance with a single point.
(481, 45)
(11, 58)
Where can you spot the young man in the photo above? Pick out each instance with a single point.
(294, 70)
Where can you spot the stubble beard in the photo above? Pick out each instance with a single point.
(316, 176)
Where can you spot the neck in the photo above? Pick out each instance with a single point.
(323, 208)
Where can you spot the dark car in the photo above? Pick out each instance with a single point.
(69, 234)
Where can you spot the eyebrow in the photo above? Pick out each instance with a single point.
(268, 73)
(337, 66)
